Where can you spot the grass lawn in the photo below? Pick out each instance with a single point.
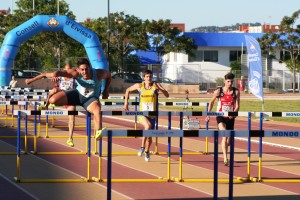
(247, 105)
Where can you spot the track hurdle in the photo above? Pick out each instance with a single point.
(186, 105)
(82, 179)
(180, 176)
(36, 128)
(168, 133)
(283, 133)
(11, 103)
(163, 104)
(15, 100)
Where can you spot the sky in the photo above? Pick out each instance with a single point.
(193, 13)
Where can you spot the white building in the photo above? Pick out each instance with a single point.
(212, 60)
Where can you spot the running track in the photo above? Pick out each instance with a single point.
(172, 190)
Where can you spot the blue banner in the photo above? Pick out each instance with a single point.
(255, 78)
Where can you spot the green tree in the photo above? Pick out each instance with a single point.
(165, 39)
(50, 48)
(236, 68)
(286, 40)
(126, 35)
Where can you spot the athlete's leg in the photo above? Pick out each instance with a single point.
(60, 98)
(71, 122)
(95, 109)
(51, 93)
(224, 143)
(146, 141)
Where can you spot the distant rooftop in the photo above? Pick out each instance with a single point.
(220, 39)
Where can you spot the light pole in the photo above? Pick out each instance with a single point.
(12, 6)
(57, 7)
(108, 32)
(33, 7)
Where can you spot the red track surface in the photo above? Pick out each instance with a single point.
(160, 190)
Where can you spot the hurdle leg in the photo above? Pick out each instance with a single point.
(216, 162)
(26, 130)
(47, 127)
(88, 146)
(249, 148)
(17, 178)
(206, 127)
(260, 149)
(156, 146)
(109, 164)
(35, 136)
(180, 160)
(169, 148)
(12, 116)
(206, 145)
(180, 147)
(231, 167)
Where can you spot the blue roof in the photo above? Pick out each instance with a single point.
(203, 39)
(220, 39)
(148, 57)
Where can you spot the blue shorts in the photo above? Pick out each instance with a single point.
(77, 99)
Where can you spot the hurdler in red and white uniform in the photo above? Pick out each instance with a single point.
(226, 102)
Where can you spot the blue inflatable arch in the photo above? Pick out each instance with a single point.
(42, 23)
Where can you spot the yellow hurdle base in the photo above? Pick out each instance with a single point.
(54, 126)
(82, 180)
(60, 153)
(206, 180)
(116, 180)
(152, 152)
(274, 180)
(63, 136)
(12, 153)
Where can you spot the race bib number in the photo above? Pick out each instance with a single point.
(66, 87)
(227, 108)
(147, 106)
(87, 92)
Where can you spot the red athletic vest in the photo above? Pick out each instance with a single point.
(226, 102)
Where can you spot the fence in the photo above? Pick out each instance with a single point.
(206, 75)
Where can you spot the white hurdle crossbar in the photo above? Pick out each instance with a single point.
(175, 113)
(203, 133)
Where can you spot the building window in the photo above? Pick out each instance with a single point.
(211, 56)
(206, 56)
(235, 55)
(284, 55)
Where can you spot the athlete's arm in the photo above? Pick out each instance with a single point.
(162, 89)
(38, 77)
(211, 103)
(128, 90)
(237, 101)
(104, 74)
(70, 73)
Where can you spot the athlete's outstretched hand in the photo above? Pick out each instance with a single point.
(55, 77)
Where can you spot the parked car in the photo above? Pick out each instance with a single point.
(19, 73)
(31, 73)
(128, 77)
(163, 80)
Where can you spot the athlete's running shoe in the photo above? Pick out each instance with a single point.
(51, 105)
(70, 142)
(41, 107)
(98, 134)
(147, 156)
(226, 162)
(141, 151)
